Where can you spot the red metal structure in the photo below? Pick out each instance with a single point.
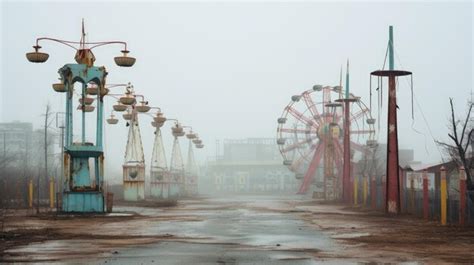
(346, 172)
(309, 136)
(392, 182)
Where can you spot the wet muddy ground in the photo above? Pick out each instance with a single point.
(234, 230)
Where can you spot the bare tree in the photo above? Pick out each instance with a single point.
(461, 135)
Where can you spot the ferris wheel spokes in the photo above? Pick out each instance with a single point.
(298, 144)
(300, 116)
(295, 130)
(359, 114)
(296, 164)
(362, 131)
(312, 107)
(309, 175)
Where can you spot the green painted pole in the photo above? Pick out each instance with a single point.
(84, 113)
(391, 60)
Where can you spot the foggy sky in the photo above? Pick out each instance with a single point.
(228, 69)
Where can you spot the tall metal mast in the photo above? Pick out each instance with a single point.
(392, 174)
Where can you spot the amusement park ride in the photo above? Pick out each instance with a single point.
(310, 136)
(165, 184)
(134, 162)
(82, 189)
(313, 128)
(159, 174)
(191, 171)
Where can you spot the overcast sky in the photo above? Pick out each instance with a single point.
(229, 68)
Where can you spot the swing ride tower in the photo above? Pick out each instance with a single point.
(83, 175)
(159, 174)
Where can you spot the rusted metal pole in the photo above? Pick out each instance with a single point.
(346, 172)
(444, 195)
(425, 195)
(392, 189)
(462, 196)
(347, 155)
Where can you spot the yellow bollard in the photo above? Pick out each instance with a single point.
(30, 194)
(444, 195)
(51, 193)
(366, 186)
(355, 191)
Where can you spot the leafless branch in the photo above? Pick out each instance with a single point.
(466, 122)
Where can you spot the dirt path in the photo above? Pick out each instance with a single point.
(374, 237)
(245, 229)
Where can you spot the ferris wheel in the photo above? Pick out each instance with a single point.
(310, 137)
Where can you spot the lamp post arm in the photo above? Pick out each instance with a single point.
(67, 43)
(98, 44)
(71, 43)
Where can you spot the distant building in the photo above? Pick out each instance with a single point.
(250, 165)
(22, 148)
(15, 141)
(376, 161)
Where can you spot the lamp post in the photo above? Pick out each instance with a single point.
(80, 194)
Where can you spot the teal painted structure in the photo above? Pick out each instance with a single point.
(82, 189)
